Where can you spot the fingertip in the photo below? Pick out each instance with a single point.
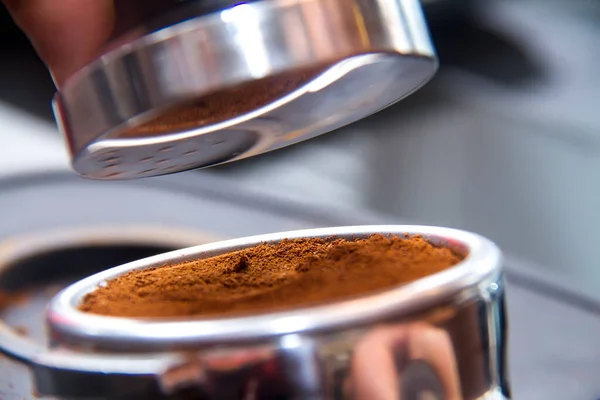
(67, 34)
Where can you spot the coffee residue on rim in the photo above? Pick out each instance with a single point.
(271, 277)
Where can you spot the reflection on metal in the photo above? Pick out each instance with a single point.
(338, 60)
(430, 339)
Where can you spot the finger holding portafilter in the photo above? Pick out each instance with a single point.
(405, 362)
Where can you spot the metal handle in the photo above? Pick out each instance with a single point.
(61, 372)
(69, 374)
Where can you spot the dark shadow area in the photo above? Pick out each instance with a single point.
(71, 264)
(24, 79)
(463, 43)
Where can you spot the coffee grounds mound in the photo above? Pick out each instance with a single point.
(270, 277)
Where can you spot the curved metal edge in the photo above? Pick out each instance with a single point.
(14, 249)
(409, 74)
(484, 262)
(102, 96)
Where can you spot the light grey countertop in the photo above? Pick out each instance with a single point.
(28, 144)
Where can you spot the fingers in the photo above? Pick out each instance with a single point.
(378, 360)
(434, 346)
(374, 374)
(67, 34)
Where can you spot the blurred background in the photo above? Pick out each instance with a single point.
(505, 141)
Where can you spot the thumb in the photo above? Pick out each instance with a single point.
(66, 34)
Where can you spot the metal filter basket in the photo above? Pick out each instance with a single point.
(443, 336)
(133, 111)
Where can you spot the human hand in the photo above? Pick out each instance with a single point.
(66, 34)
(381, 357)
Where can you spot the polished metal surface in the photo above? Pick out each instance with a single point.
(359, 56)
(553, 352)
(21, 339)
(69, 325)
(443, 336)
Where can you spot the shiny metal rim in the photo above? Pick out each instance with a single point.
(379, 52)
(483, 263)
(15, 249)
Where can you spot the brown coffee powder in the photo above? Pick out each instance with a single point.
(269, 277)
(225, 104)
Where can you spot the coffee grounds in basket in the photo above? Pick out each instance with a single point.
(271, 277)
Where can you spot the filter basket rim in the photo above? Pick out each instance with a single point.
(68, 325)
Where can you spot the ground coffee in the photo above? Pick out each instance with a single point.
(225, 104)
(269, 277)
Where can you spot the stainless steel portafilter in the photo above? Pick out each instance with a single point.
(190, 84)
